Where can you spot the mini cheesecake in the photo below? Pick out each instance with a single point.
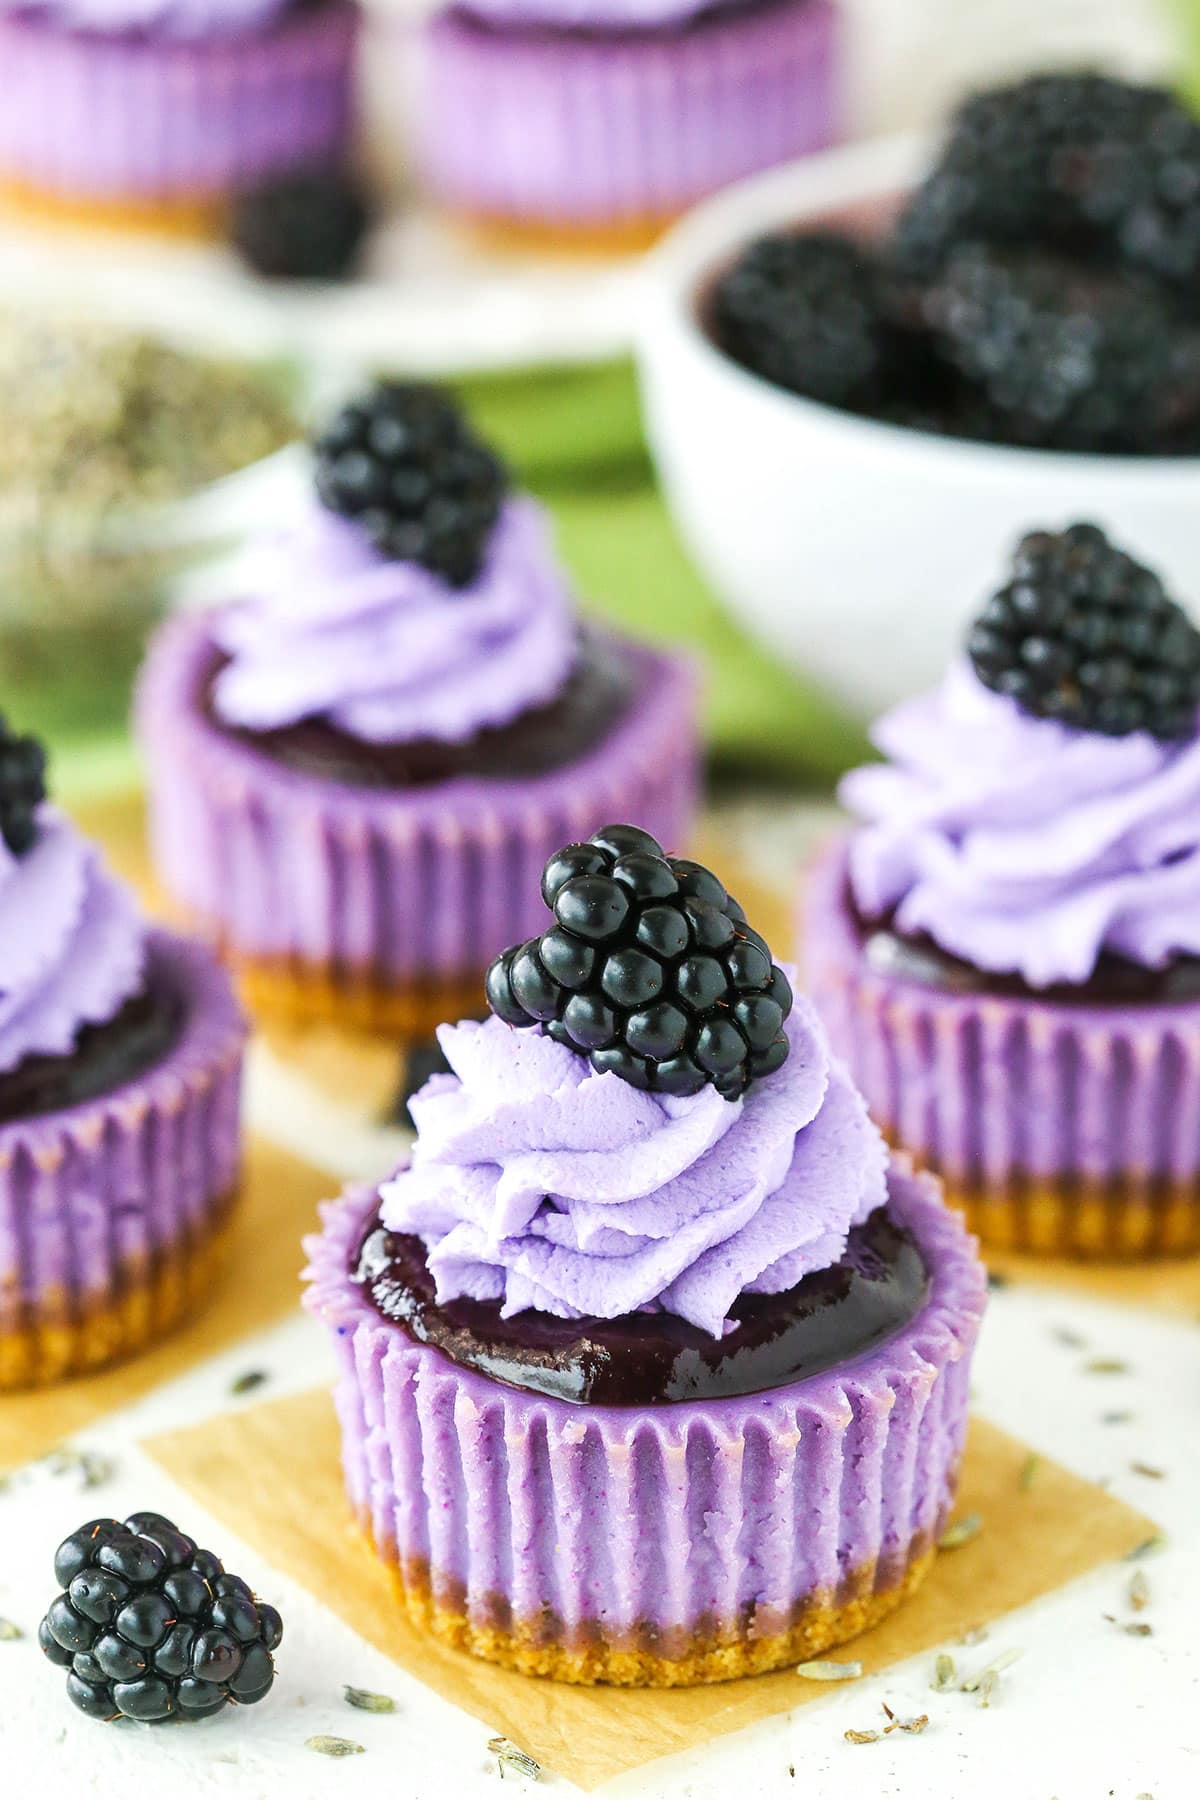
(154, 113)
(1007, 948)
(358, 766)
(120, 1076)
(694, 1316)
(599, 121)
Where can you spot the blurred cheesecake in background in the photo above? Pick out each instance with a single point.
(1006, 946)
(393, 713)
(603, 119)
(153, 112)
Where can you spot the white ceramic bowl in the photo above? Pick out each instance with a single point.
(858, 551)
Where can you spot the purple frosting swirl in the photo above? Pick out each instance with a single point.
(594, 15)
(385, 650)
(1022, 845)
(72, 943)
(185, 20)
(536, 1182)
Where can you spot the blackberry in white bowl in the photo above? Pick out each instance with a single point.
(864, 375)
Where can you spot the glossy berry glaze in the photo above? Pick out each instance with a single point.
(599, 692)
(105, 1057)
(654, 1358)
(1115, 980)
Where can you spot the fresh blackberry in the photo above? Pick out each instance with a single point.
(308, 225)
(422, 1061)
(1084, 634)
(22, 788)
(1066, 356)
(404, 463)
(650, 970)
(151, 1628)
(804, 311)
(1081, 162)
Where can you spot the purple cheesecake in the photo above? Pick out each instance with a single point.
(120, 1075)
(682, 1304)
(1007, 947)
(612, 116)
(159, 110)
(359, 766)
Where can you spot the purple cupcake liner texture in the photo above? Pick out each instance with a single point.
(93, 118)
(579, 129)
(997, 1092)
(94, 1198)
(654, 1528)
(395, 886)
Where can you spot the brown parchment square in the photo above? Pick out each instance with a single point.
(259, 1283)
(1035, 1538)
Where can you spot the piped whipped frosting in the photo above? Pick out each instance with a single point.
(188, 20)
(383, 650)
(1023, 846)
(595, 15)
(538, 1183)
(72, 943)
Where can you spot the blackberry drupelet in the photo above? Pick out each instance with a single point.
(149, 1627)
(1084, 634)
(1067, 357)
(305, 226)
(650, 970)
(422, 1061)
(1081, 162)
(22, 788)
(405, 465)
(804, 311)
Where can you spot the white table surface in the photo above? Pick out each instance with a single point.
(1087, 1712)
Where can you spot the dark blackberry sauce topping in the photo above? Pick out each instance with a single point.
(602, 687)
(654, 1358)
(104, 1058)
(914, 956)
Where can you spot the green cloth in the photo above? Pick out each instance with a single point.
(1187, 14)
(574, 437)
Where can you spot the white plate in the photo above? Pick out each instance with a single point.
(430, 301)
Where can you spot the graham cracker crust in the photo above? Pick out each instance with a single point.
(1089, 1220)
(524, 237)
(290, 994)
(711, 1652)
(61, 1338)
(186, 216)
(287, 993)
